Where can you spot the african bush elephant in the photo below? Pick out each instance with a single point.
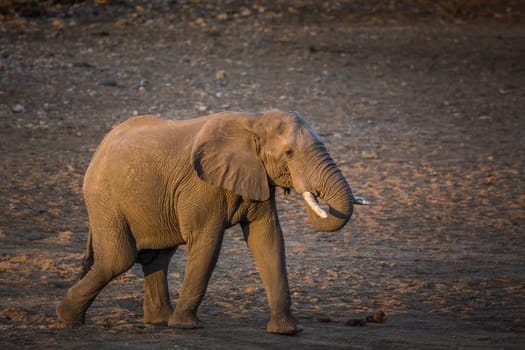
(155, 184)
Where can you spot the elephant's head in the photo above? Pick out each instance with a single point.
(250, 153)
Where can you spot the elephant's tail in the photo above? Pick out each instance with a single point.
(88, 258)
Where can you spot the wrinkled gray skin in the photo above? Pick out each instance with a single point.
(154, 184)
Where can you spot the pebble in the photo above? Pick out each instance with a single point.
(222, 16)
(356, 322)
(378, 317)
(18, 108)
(246, 12)
(220, 74)
(108, 82)
(142, 86)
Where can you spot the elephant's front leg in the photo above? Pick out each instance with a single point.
(264, 237)
(201, 259)
(157, 305)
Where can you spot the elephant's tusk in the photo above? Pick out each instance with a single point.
(312, 203)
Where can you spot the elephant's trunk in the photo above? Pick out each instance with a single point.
(331, 187)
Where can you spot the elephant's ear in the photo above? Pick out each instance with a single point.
(224, 154)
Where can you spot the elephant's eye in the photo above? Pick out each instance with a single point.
(289, 153)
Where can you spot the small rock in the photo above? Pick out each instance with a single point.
(245, 12)
(58, 24)
(326, 319)
(222, 16)
(108, 82)
(378, 317)
(143, 83)
(18, 108)
(220, 74)
(293, 11)
(224, 304)
(356, 322)
(490, 180)
(369, 155)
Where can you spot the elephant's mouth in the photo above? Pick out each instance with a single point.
(283, 179)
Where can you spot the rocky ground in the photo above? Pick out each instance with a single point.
(421, 103)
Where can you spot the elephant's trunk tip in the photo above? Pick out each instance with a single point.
(360, 201)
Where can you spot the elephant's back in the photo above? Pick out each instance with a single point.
(140, 147)
(132, 128)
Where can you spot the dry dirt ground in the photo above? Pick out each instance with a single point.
(421, 103)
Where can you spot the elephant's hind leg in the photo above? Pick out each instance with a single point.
(72, 309)
(114, 254)
(157, 305)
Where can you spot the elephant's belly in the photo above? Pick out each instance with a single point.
(156, 236)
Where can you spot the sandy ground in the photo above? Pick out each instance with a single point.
(422, 107)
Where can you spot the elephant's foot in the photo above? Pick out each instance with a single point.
(184, 320)
(157, 316)
(69, 317)
(283, 325)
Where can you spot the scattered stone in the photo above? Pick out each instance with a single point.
(369, 155)
(224, 304)
(222, 16)
(18, 108)
(220, 74)
(141, 86)
(356, 322)
(490, 180)
(109, 82)
(58, 24)
(245, 12)
(378, 317)
(326, 319)
(83, 64)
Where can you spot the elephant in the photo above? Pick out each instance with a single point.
(154, 184)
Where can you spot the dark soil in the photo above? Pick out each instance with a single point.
(421, 103)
